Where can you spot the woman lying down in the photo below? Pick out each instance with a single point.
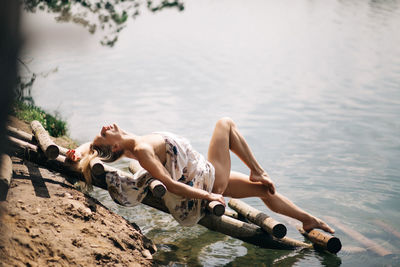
(190, 179)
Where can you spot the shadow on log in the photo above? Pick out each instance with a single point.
(270, 225)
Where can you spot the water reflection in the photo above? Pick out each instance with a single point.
(110, 17)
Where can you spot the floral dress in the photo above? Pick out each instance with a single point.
(185, 165)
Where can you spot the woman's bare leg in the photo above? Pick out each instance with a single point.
(240, 186)
(227, 137)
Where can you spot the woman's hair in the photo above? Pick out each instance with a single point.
(104, 153)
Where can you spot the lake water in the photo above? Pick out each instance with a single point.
(314, 86)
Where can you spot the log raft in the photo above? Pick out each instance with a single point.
(247, 232)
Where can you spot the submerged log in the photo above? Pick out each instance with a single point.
(366, 242)
(247, 232)
(261, 219)
(47, 145)
(322, 240)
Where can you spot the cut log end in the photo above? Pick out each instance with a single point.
(52, 152)
(157, 188)
(216, 208)
(279, 230)
(334, 245)
(97, 168)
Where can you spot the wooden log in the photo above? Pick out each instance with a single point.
(33, 153)
(96, 166)
(216, 208)
(259, 218)
(157, 188)
(6, 172)
(47, 145)
(246, 232)
(22, 145)
(366, 242)
(322, 240)
(20, 134)
(231, 213)
(249, 233)
(241, 230)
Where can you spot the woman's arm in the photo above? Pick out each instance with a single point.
(149, 161)
(79, 152)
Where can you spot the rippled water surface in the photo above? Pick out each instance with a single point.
(313, 86)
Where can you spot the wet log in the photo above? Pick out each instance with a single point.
(322, 240)
(5, 175)
(47, 145)
(246, 232)
(259, 218)
(366, 242)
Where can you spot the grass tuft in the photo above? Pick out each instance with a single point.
(52, 123)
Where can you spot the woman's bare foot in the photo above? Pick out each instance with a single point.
(264, 179)
(314, 222)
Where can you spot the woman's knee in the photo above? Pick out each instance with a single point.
(225, 122)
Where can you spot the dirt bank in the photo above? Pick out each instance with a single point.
(46, 222)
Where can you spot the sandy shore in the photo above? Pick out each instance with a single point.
(46, 222)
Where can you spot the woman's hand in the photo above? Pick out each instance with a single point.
(73, 155)
(216, 197)
(264, 179)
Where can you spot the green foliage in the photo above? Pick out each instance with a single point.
(109, 16)
(53, 124)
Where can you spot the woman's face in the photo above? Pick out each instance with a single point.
(109, 135)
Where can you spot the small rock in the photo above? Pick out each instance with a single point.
(34, 232)
(146, 253)
(68, 195)
(36, 211)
